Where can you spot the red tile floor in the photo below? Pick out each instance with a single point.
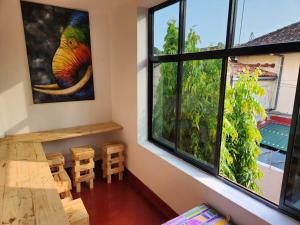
(117, 204)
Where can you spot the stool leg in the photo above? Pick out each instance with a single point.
(103, 171)
(78, 187)
(77, 176)
(91, 183)
(120, 175)
(91, 172)
(109, 179)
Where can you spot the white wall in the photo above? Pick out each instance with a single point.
(270, 184)
(288, 83)
(18, 114)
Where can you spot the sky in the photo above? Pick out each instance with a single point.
(209, 19)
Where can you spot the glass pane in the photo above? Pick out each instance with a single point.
(257, 120)
(292, 195)
(164, 102)
(206, 25)
(166, 22)
(199, 109)
(262, 22)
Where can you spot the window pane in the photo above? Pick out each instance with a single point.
(199, 109)
(164, 102)
(166, 22)
(257, 119)
(206, 25)
(261, 22)
(292, 198)
(292, 195)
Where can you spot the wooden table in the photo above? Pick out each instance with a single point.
(27, 192)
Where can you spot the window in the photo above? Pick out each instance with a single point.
(164, 101)
(199, 109)
(223, 92)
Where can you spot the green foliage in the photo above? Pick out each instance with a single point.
(199, 110)
(240, 136)
(164, 113)
(171, 39)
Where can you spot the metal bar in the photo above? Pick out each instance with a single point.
(279, 80)
(180, 70)
(163, 5)
(220, 115)
(231, 23)
(150, 72)
(289, 154)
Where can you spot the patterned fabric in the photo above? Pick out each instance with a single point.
(200, 215)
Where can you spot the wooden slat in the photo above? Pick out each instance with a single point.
(29, 194)
(86, 177)
(65, 133)
(22, 151)
(82, 153)
(115, 160)
(110, 171)
(76, 212)
(84, 167)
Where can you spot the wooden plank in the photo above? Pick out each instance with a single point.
(65, 133)
(76, 212)
(86, 177)
(82, 153)
(22, 151)
(84, 167)
(113, 148)
(110, 171)
(3, 164)
(55, 159)
(29, 195)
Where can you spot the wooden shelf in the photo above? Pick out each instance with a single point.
(65, 133)
(27, 191)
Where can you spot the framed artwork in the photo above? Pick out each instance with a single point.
(59, 53)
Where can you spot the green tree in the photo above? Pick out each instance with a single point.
(199, 109)
(240, 136)
(164, 113)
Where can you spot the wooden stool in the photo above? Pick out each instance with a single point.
(63, 185)
(62, 180)
(113, 160)
(76, 212)
(83, 165)
(56, 162)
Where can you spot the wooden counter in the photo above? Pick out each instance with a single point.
(27, 191)
(65, 133)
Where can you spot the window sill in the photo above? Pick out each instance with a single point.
(242, 200)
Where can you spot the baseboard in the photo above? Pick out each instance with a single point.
(150, 196)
